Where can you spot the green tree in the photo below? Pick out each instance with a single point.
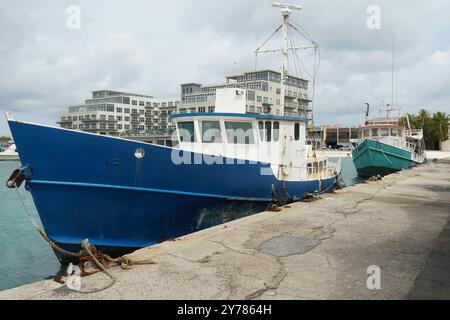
(434, 126)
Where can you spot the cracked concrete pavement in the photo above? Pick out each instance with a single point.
(316, 250)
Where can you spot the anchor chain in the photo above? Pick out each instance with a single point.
(42, 232)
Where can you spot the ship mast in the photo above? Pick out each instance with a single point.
(286, 10)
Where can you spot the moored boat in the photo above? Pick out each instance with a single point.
(386, 147)
(123, 194)
(9, 153)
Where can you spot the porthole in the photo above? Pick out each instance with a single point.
(139, 153)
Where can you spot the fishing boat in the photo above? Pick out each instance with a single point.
(123, 194)
(386, 147)
(9, 153)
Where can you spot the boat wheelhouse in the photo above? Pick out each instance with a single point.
(276, 140)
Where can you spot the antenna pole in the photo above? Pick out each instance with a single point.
(284, 65)
(393, 67)
(286, 10)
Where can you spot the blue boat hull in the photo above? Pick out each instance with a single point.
(93, 187)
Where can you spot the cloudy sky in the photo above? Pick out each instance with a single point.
(152, 46)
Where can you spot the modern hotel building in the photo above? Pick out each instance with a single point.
(121, 113)
(263, 94)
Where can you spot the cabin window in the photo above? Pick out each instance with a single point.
(366, 133)
(239, 132)
(211, 132)
(297, 131)
(268, 127)
(310, 171)
(374, 132)
(394, 132)
(276, 131)
(384, 132)
(316, 167)
(261, 130)
(187, 131)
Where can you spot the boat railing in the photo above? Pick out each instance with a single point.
(416, 134)
(398, 143)
(323, 169)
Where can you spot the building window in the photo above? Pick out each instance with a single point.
(134, 102)
(111, 118)
(211, 109)
(127, 119)
(141, 103)
(119, 110)
(127, 110)
(259, 99)
(119, 118)
(251, 95)
(211, 132)
(202, 109)
(126, 100)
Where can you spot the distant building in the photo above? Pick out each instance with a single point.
(337, 136)
(122, 114)
(445, 146)
(263, 94)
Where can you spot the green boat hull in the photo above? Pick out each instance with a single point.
(372, 158)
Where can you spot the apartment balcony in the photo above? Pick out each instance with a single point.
(98, 121)
(291, 95)
(64, 122)
(304, 99)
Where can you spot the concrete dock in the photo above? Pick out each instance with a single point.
(315, 250)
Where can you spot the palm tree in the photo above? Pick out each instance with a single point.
(435, 127)
(440, 126)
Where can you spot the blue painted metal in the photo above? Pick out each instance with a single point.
(92, 186)
(239, 115)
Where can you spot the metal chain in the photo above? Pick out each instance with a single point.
(41, 232)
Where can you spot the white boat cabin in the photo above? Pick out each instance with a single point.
(232, 133)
